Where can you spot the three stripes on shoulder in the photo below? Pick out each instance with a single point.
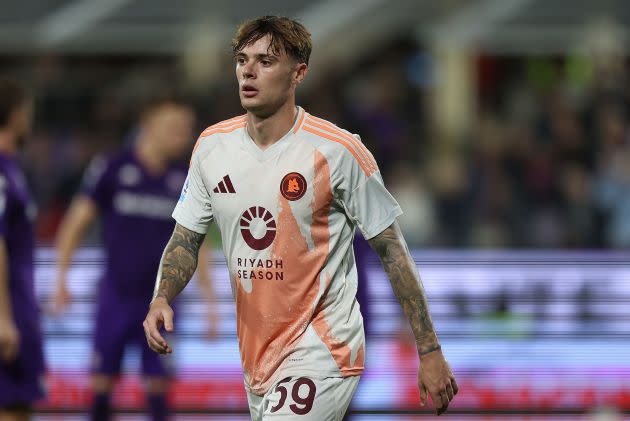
(312, 124)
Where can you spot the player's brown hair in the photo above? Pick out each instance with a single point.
(12, 95)
(286, 34)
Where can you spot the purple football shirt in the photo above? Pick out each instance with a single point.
(135, 209)
(19, 380)
(17, 214)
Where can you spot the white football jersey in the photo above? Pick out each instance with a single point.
(287, 216)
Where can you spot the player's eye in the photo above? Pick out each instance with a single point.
(240, 60)
(266, 62)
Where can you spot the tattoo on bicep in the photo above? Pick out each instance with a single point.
(403, 276)
(179, 262)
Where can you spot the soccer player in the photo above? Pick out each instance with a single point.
(21, 355)
(287, 190)
(134, 193)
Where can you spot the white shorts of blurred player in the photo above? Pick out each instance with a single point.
(305, 399)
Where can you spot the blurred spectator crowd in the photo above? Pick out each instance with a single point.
(545, 162)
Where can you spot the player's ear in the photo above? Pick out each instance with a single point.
(300, 73)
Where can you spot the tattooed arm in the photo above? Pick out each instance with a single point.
(177, 266)
(403, 276)
(435, 376)
(178, 263)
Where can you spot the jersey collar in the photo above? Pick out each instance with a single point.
(279, 146)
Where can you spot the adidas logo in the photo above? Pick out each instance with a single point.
(225, 186)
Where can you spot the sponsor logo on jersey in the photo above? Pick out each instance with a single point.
(267, 269)
(258, 227)
(145, 205)
(225, 186)
(293, 186)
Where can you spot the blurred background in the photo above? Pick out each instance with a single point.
(501, 126)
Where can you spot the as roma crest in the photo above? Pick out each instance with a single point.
(293, 186)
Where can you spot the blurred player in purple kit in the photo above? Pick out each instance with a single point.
(21, 356)
(134, 193)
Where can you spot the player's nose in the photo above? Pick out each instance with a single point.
(248, 71)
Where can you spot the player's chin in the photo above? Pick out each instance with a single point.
(255, 107)
(250, 104)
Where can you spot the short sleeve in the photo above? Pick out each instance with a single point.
(4, 204)
(94, 184)
(364, 197)
(193, 210)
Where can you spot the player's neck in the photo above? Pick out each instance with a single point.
(268, 130)
(149, 157)
(8, 144)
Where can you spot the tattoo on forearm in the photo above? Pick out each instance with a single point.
(401, 270)
(178, 263)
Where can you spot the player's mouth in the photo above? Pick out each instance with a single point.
(249, 91)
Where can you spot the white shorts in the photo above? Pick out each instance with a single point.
(304, 399)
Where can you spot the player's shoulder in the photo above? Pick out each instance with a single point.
(330, 136)
(335, 140)
(112, 161)
(102, 164)
(224, 130)
(12, 176)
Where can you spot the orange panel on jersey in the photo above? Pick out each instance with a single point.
(268, 332)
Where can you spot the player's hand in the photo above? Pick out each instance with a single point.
(62, 298)
(9, 339)
(160, 314)
(435, 378)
